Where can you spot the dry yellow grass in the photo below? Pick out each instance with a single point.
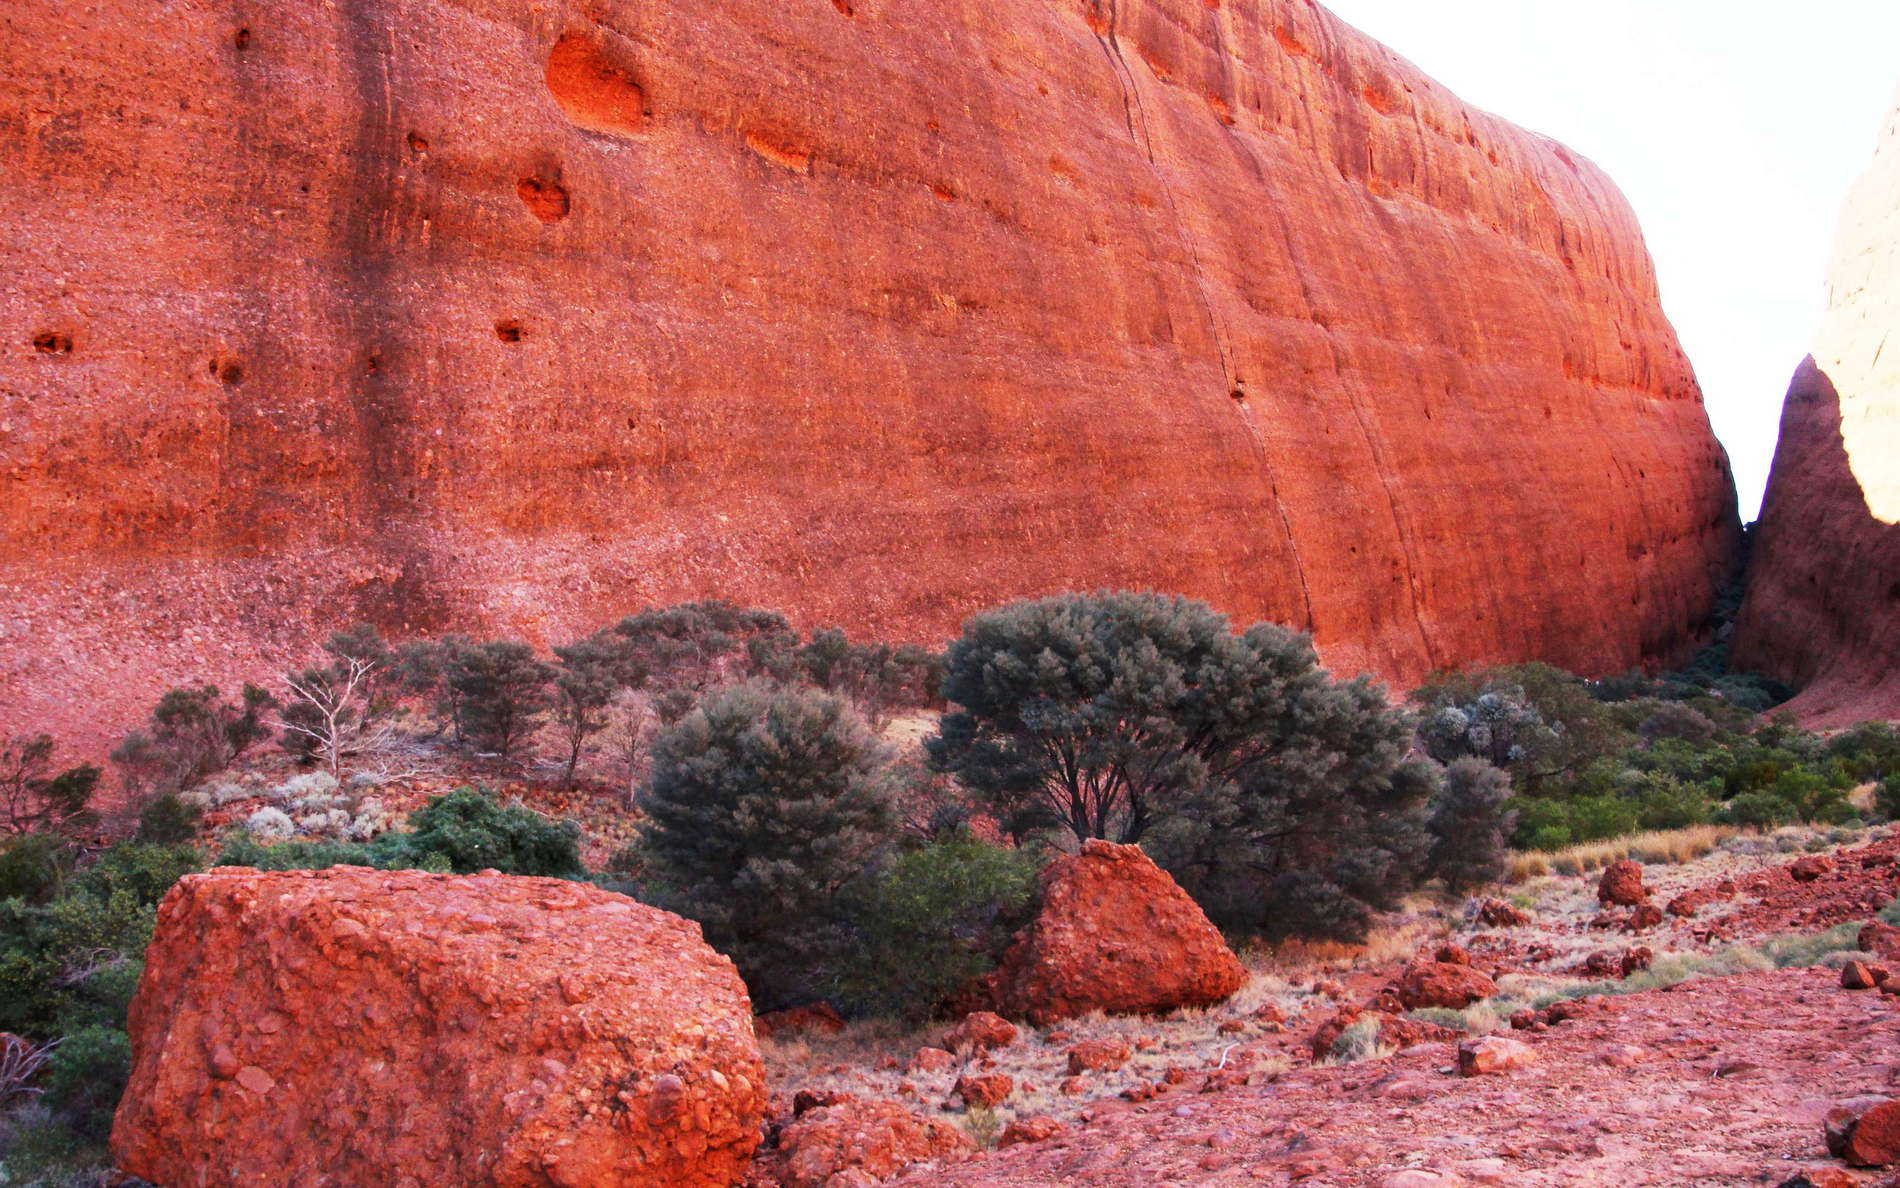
(1668, 845)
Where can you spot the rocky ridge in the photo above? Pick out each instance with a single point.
(468, 316)
(1823, 603)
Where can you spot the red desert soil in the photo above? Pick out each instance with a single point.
(1723, 1080)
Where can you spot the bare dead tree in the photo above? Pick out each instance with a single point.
(323, 704)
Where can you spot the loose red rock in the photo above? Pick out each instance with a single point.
(1114, 933)
(497, 1009)
(1622, 884)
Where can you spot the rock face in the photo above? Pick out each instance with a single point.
(1113, 933)
(458, 314)
(406, 1028)
(1823, 604)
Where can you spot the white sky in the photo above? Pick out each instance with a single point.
(1735, 127)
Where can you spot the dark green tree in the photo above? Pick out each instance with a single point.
(587, 675)
(763, 802)
(192, 734)
(686, 649)
(1471, 823)
(1279, 797)
(499, 691)
(36, 799)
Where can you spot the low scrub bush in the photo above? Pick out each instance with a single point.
(460, 832)
(764, 802)
(933, 919)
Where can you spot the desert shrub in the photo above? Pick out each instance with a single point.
(1470, 825)
(1261, 783)
(54, 956)
(500, 691)
(192, 733)
(1868, 752)
(878, 678)
(587, 676)
(1536, 721)
(242, 848)
(1360, 1041)
(1887, 798)
(688, 648)
(32, 866)
(1678, 721)
(763, 803)
(1758, 810)
(168, 820)
(472, 831)
(933, 919)
(85, 1077)
(459, 832)
(1665, 802)
(33, 797)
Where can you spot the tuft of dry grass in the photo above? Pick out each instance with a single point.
(1665, 845)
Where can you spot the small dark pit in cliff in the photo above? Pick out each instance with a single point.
(241, 39)
(508, 330)
(227, 371)
(53, 342)
(595, 91)
(418, 143)
(545, 200)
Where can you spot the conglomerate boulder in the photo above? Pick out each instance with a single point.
(354, 1026)
(511, 317)
(1113, 933)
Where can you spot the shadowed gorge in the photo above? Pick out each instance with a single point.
(1823, 604)
(517, 318)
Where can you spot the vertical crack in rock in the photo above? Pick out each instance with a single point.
(1141, 133)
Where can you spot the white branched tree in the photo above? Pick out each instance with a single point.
(324, 708)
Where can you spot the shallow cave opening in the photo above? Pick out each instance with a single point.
(595, 90)
(53, 342)
(509, 330)
(545, 200)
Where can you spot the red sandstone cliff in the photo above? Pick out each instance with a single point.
(1823, 605)
(518, 315)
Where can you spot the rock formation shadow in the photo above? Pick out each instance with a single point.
(1822, 610)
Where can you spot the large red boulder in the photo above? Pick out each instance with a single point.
(1442, 984)
(1114, 933)
(1622, 884)
(861, 1140)
(405, 1028)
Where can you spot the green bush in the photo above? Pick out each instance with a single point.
(1471, 822)
(85, 1077)
(32, 866)
(1757, 809)
(459, 832)
(474, 832)
(763, 803)
(1244, 768)
(168, 821)
(1887, 798)
(935, 918)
